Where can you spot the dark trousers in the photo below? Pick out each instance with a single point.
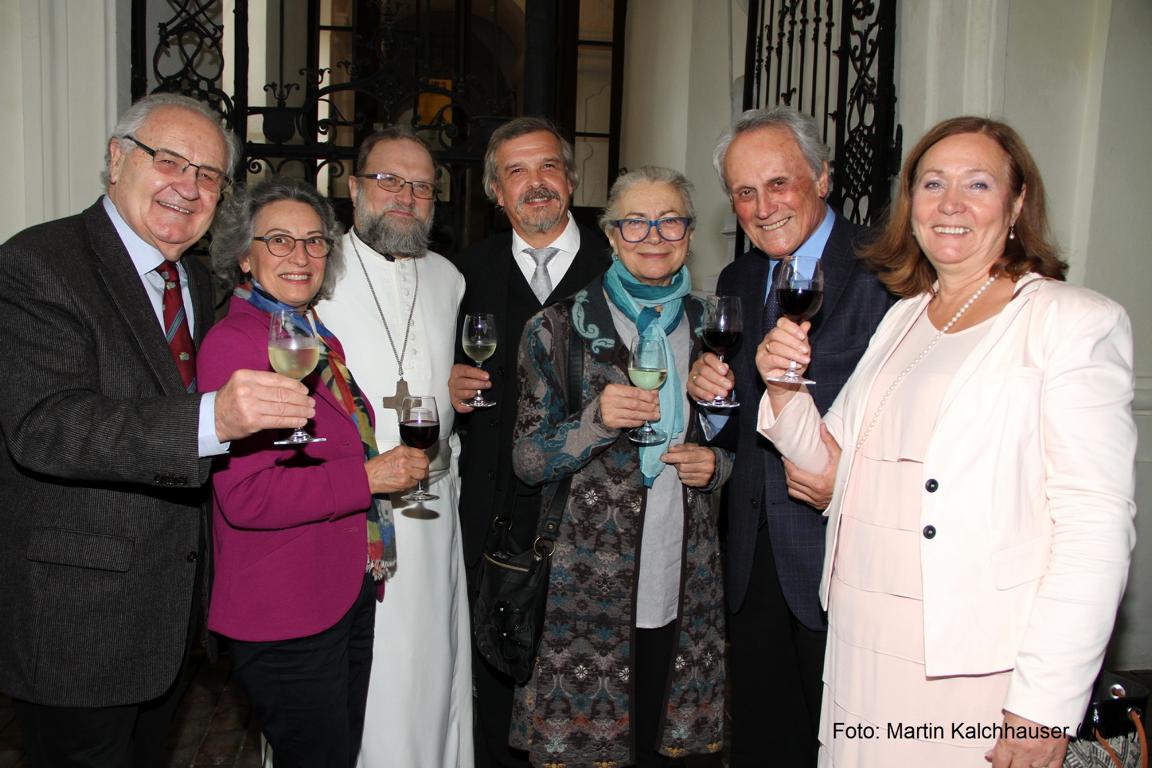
(492, 711)
(309, 694)
(653, 659)
(775, 665)
(130, 736)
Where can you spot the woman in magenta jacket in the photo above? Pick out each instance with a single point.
(302, 535)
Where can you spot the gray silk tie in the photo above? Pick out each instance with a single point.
(541, 283)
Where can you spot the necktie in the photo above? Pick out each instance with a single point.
(176, 326)
(541, 283)
(771, 301)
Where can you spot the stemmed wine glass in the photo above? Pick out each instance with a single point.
(293, 350)
(799, 286)
(419, 428)
(722, 327)
(479, 341)
(647, 368)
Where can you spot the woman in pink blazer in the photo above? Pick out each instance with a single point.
(302, 547)
(981, 525)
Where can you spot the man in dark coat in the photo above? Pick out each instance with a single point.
(107, 443)
(774, 167)
(529, 171)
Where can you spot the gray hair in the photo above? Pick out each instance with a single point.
(803, 128)
(391, 133)
(136, 115)
(232, 231)
(647, 174)
(514, 129)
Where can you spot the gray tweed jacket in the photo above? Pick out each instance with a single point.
(101, 504)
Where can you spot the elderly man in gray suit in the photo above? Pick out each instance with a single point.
(774, 167)
(108, 444)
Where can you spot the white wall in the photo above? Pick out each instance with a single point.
(677, 102)
(58, 105)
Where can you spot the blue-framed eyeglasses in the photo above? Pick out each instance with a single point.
(670, 228)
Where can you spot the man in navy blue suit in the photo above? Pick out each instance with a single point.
(774, 167)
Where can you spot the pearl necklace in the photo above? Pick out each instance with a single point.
(912, 365)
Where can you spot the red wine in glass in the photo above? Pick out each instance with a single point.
(799, 286)
(419, 428)
(419, 434)
(721, 332)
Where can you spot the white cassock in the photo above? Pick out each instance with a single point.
(420, 695)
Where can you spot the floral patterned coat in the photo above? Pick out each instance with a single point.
(575, 710)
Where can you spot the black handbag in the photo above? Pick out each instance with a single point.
(512, 584)
(1112, 734)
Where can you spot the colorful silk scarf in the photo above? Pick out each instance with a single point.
(334, 373)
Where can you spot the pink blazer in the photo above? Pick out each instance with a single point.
(288, 524)
(1029, 484)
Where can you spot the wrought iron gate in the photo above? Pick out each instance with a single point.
(833, 59)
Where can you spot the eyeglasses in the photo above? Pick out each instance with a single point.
(169, 163)
(425, 190)
(282, 246)
(671, 228)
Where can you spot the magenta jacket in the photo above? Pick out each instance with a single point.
(288, 524)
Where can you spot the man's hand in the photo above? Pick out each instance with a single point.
(396, 470)
(622, 406)
(1040, 752)
(251, 401)
(694, 463)
(464, 382)
(809, 487)
(709, 378)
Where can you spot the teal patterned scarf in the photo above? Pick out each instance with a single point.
(656, 310)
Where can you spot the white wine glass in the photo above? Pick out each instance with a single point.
(293, 351)
(479, 341)
(419, 428)
(647, 369)
(799, 286)
(722, 326)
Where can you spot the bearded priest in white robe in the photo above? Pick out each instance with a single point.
(395, 311)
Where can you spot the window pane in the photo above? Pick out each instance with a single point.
(596, 20)
(593, 89)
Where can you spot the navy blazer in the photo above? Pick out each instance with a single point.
(854, 303)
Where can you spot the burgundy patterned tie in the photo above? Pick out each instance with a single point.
(176, 326)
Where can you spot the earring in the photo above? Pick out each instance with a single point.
(1011, 231)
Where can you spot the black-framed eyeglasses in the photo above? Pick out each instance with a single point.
(281, 246)
(169, 163)
(425, 190)
(670, 228)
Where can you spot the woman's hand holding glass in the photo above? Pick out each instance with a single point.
(396, 470)
(624, 407)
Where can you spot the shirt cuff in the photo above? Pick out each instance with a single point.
(207, 442)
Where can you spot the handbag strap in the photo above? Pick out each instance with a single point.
(550, 523)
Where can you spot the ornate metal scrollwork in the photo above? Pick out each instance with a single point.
(833, 59)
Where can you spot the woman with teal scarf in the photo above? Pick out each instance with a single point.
(630, 666)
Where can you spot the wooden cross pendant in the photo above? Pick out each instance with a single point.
(395, 402)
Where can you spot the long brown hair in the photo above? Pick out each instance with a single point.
(897, 257)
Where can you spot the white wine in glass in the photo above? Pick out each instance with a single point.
(647, 369)
(293, 351)
(479, 341)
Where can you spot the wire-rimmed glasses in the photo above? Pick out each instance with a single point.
(170, 163)
(281, 246)
(390, 182)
